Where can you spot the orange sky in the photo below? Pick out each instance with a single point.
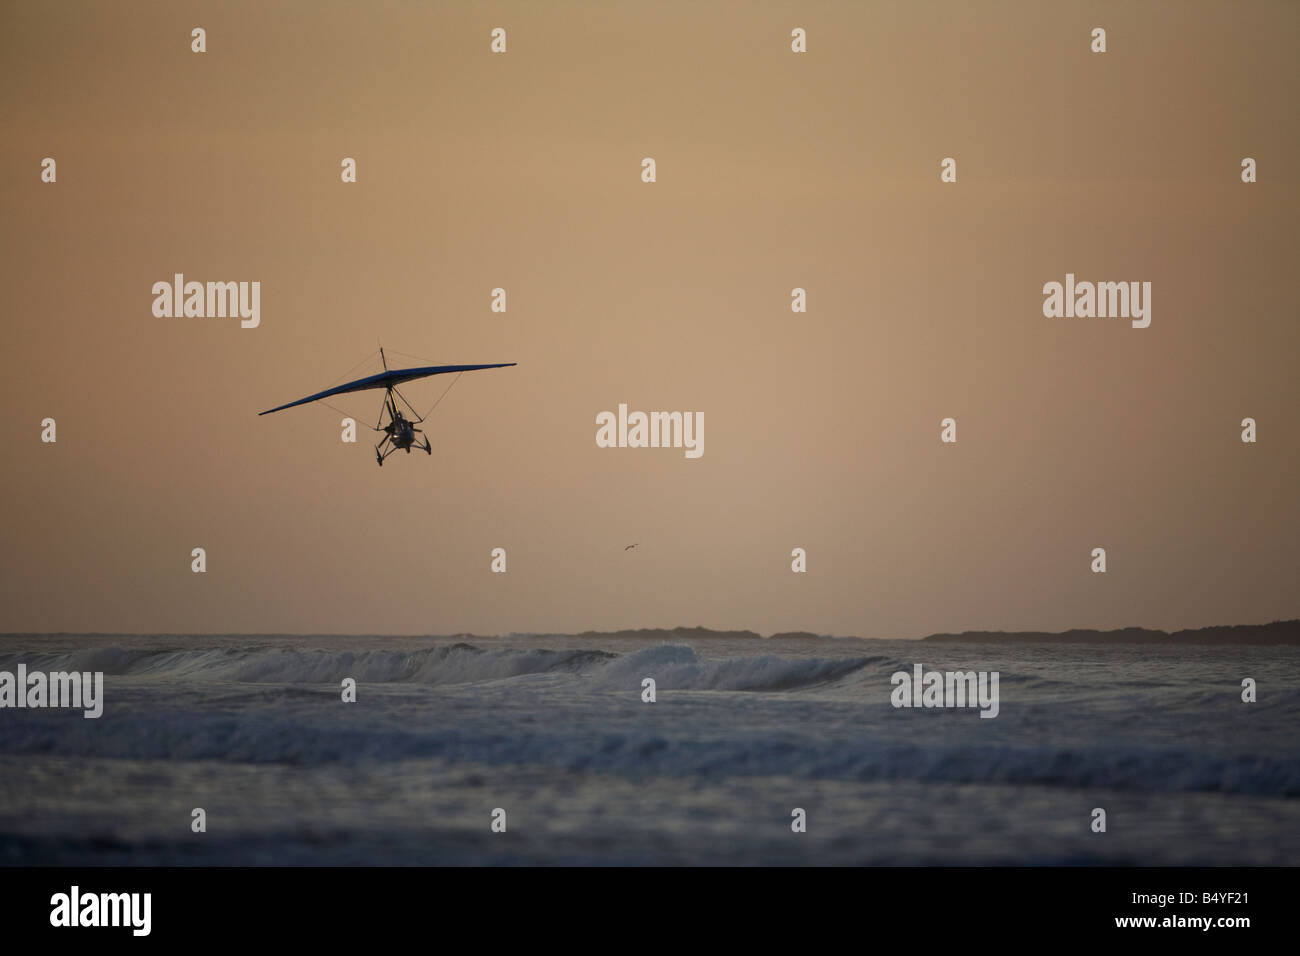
(775, 170)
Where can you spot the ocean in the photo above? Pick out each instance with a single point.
(447, 732)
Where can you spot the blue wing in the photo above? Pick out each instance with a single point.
(386, 379)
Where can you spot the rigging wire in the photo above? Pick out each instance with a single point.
(444, 394)
(407, 403)
(418, 358)
(368, 358)
(421, 358)
(340, 411)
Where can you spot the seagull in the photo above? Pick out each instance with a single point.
(632, 545)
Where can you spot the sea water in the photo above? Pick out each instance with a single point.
(446, 733)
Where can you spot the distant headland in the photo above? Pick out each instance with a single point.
(1277, 632)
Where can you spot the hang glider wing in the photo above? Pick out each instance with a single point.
(386, 379)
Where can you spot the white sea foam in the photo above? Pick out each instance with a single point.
(742, 729)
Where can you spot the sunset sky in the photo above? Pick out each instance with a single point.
(775, 170)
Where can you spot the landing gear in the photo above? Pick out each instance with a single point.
(399, 432)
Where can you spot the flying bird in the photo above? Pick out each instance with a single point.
(631, 546)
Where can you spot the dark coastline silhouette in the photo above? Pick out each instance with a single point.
(1275, 632)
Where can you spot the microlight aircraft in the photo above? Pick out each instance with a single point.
(399, 431)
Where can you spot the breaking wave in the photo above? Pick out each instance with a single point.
(578, 711)
(673, 666)
(447, 664)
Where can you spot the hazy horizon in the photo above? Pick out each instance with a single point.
(683, 629)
